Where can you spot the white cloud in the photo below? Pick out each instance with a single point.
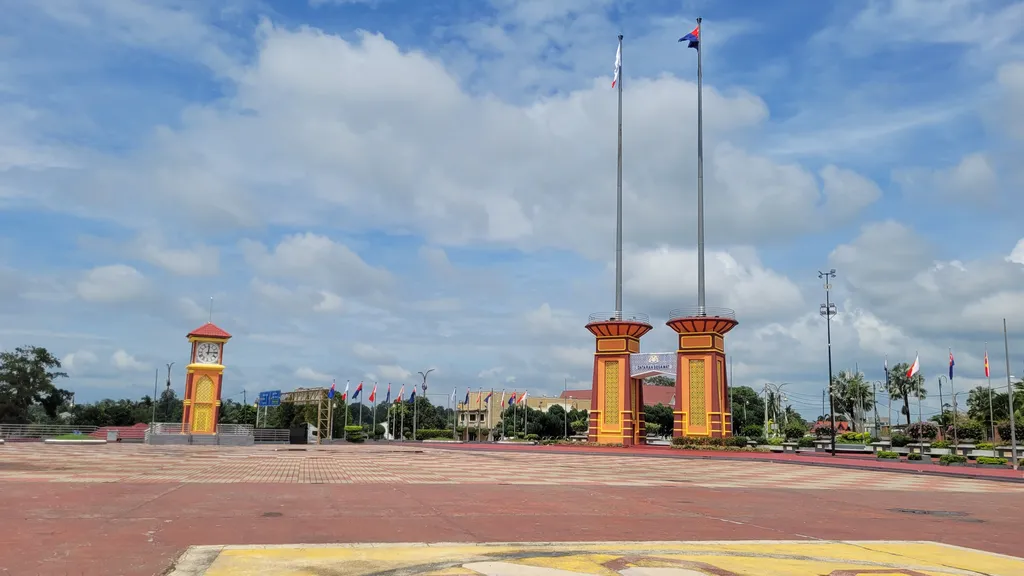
(114, 283)
(306, 373)
(1017, 254)
(200, 260)
(393, 372)
(125, 361)
(78, 361)
(371, 353)
(330, 302)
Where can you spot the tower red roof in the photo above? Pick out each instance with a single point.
(210, 330)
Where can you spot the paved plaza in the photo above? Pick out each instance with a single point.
(136, 509)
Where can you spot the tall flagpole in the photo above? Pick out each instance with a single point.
(1009, 397)
(988, 376)
(618, 199)
(701, 311)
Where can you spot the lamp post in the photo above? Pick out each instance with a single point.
(1009, 393)
(942, 407)
(828, 310)
(956, 435)
(169, 365)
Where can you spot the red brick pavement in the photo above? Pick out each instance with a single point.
(78, 528)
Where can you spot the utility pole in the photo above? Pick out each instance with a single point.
(828, 310)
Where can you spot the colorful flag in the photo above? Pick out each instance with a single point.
(400, 394)
(412, 397)
(359, 389)
(487, 400)
(344, 396)
(387, 398)
(618, 65)
(693, 38)
(373, 393)
(987, 375)
(523, 397)
(454, 390)
(512, 398)
(951, 363)
(502, 397)
(330, 393)
(915, 367)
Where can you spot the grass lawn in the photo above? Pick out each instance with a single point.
(74, 437)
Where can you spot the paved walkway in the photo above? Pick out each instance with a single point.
(134, 509)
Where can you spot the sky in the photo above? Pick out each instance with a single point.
(371, 188)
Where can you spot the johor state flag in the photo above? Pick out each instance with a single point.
(618, 65)
(986, 364)
(359, 389)
(693, 38)
(330, 393)
(915, 368)
(951, 364)
(373, 393)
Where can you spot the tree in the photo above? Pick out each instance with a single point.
(747, 408)
(660, 415)
(27, 377)
(901, 387)
(660, 381)
(852, 395)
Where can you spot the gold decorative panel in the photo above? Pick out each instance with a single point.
(611, 392)
(611, 345)
(696, 341)
(202, 420)
(698, 406)
(204, 389)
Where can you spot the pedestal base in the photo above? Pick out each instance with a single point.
(702, 389)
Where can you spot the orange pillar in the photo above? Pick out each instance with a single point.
(702, 388)
(613, 417)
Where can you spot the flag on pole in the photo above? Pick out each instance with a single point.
(373, 393)
(330, 393)
(512, 398)
(987, 375)
(523, 397)
(951, 363)
(487, 400)
(915, 367)
(387, 398)
(466, 402)
(400, 394)
(454, 390)
(618, 65)
(344, 395)
(412, 396)
(359, 389)
(502, 397)
(692, 39)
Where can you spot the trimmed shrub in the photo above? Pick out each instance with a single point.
(888, 455)
(992, 461)
(947, 459)
(739, 441)
(794, 431)
(966, 429)
(761, 440)
(854, 438)
(698, 441)
(923, 430)
(432, 434)
(914, 456)
(822, 428)
(985, 446)
(753, 431)
(941, 444)
(532, 437)
(806, 442)
(900, 440)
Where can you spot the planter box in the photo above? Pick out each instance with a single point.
(923, 460)
(1007, 451)
(964, 449)
(960, 464)
(882, 446)
(789, 447)
(993, 466)
(976, 453)
(918, 447)
(880, 459)
(822, 445)
(938, 451)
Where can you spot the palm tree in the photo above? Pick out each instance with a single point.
(852, 394)
(899, 386)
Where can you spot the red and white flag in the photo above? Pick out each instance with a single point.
(373, 393)
(618, 65)
(915, 367)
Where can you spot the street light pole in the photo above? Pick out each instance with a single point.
(828, 310)
(1009, 392)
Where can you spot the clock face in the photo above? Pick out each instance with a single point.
(207, 353)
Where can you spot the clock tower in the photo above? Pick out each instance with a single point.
(204, 380)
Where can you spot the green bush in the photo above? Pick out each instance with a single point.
(985, 446)
(914, 456)
(357, 438)
(923, 430)
(775, 441)
(1004, 430)
(806, 442)
(947, 459)
(378, 432)
(854, 438)
(888, 455)
(967, 429)
(753, 431)
(992, 460)
(652, 428)
(431, 434)
(761, 440)
(739, 441)
(532, 437)
(698, 441)
(794, 430)
(941, 444)
(900, 440)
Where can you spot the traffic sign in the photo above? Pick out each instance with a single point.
(270, 398)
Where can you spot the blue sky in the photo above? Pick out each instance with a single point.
(369, 188)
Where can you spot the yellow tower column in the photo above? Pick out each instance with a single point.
(613, 413)
(204, 380)
(702, 390)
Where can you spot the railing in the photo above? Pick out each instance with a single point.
(620, 317)
(699, 312)
(166, 428)
(223, 429)
(40, 431)
(271, 435)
